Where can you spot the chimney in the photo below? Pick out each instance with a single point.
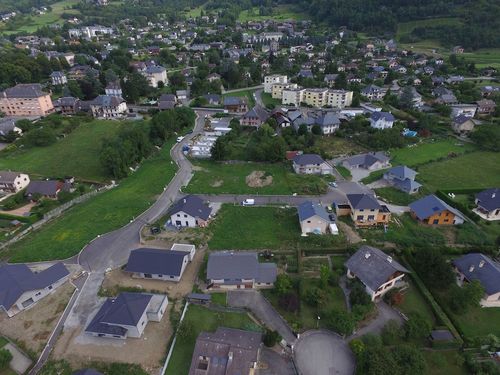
(367, 255)
(471, 268)
(481, 264)
(184, 200)
(389, 259)
(229, 359)
(493, 195)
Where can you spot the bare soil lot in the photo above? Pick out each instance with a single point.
(31, 328)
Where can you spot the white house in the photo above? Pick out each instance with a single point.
(107, 106)
(58, 78)
(382, 120)
(488, 204)
(271, 79)
(156, 74)
(378, 271)
(21, 288)
(190, 211)
(12, 182)
(311, 164)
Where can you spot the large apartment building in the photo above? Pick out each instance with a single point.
(25, 100)
(315, 97)
(275, 78)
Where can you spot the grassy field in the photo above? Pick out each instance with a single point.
(336, 146)
(194, 12)
(258, 228)
(110, 210)
(444, 362)
(473, 170)
(395, 196)
(480, 322)
(269, 101)
(428, 151)
(53, 17)
(281, 12)
(405, 28)
(200, 319)
(415, 302)
(219, 178)
(484, 57)
(75, 155)
(244, 93)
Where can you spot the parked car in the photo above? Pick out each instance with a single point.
(179, 139)
(248, 202)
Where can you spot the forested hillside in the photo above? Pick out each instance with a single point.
(23, 6)
(479, 27)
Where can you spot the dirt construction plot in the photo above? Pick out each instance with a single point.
(78, 348)
(175, 290)
(258, 179)
(32, 328)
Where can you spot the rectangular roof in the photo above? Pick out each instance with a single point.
(430, 205)
(192, 205)
(156, 261)
(232, 266)
(309, 209)
(476, 266)
(363, 201)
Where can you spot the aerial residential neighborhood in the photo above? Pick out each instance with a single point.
(249, 188)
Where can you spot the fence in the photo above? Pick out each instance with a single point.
(56, 212)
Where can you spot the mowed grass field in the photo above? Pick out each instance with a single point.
(428, 151)
(405, 28)
(280, 12)
(220, 178)
(248, 94)
(52, 17)
(200, 319)
(480, 322)
(484, 57)
(75, 155)
(479, 169)
(244, 228)
(66, 236)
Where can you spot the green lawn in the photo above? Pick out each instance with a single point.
(65, 237)
(405, 28)
(75, 155)
(281, 12)
(269, 101)
(194, 12)
(220, 178)
(425, 152)
(200, 319)
(219, 298)
(414, 302)
(244, 93)
(3, 341)
(257, 228)
(484, 57)
(395, 196)
(53, 17)
(480, 322)
(444, 362)
(344, 172)
(473, 170)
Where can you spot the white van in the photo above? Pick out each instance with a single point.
(248, 202)
(179, 139)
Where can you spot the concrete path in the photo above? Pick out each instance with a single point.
(263, 310)
(20, 362)
(385, 313)
(321, 352)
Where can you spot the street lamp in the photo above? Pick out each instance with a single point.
(317, 322)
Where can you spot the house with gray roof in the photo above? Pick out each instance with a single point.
(239, 270)
(463, 124)
(21, 288)
(432, 210)
(8, 125)
(328, 121)
(476, 266)
(127, 315)
(382, 120)
(108, 106)
(226, 351)
(311, 164)
(488, 204)
(255, 117)
(370, 161)
(12, 182)
(167, 101)
(378, 271)
(235, 104)
(190, 211)
(313, 218)
(157, 264)
(364, 210)
(46, 188)
(402, 178)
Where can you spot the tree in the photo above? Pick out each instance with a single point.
(435, 271)
(271, 338)
(324, 275)
(409, 359)
(5, 358)
(283, 284)
(316, 129)
(465, 297)
(302, 129)
(391, 332)
(417, 326)
(358, 295)
(357, 346)
(219, 149)
(340, 322)
(406, 99)
(377, 360)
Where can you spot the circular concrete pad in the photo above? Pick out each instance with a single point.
(323, 353)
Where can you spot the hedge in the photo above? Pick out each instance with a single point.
(436, 308)
(459, 206)
(23, 219)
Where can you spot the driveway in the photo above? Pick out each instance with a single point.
(274, 363)
(263, 310)
(385, 313)
(321, 352)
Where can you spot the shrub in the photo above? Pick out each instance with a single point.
(271, 338)
(5, 358)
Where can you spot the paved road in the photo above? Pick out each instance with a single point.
(385, 313)
(275, 363)
(263, 310)
(322, 352)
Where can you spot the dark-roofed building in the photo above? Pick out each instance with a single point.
(432, 210)
(157, 264)
(25, 100)
(67, 105)
(476, 266)
(235, 104)
(255, 117)
(190, 211)
(488, 204)
(366, 211)
(227, 351)
(378, 271)
(87, 371)
(167, 101)
(403, 178)
(8, 125)
(370, 161)
(381, 120)
(21, 288)
(463, 124)
(127, 315)
(46, 188)
(58, 78)
(239, 270)
(313, 218)
(12, 182)
(311, 164)
(108, 106)
(328, 121)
